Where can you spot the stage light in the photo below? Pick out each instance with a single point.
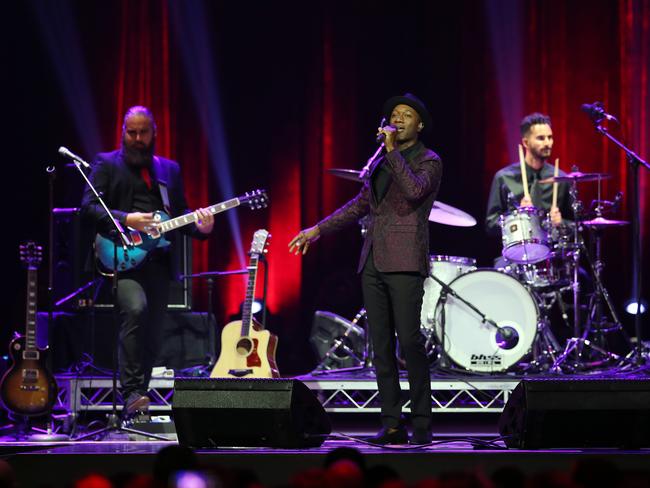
(256, 306)
(632, 307)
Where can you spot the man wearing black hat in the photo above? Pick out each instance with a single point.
(397, 197)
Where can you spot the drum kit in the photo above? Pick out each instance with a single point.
(490, 320)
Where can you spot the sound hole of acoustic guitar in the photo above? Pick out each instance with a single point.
(245, 346)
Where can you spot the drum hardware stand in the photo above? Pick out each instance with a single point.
(576, 205)
(596, 315)
(365, 362)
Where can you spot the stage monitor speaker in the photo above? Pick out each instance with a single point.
(220, 412)
(577, 412)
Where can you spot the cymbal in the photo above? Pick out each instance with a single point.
(448, 215)
(440, 212)
(346, 174)
(578, 176)
(603, 222)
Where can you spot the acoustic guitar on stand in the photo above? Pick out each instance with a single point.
(247, 349)
(28, 388)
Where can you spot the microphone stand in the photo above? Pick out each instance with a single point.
(505, 332)
(635, 161)
(121, 239)
(371, 160)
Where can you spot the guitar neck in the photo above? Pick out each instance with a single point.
(247, 315)
(30, 315)
(191, 218)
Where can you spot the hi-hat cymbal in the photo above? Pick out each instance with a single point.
(346, 174)
(577, 176)
(603, 222)
(448, 215)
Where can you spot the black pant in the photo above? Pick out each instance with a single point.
(393, 302)
(142, 297)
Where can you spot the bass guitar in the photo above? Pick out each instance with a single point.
(247, 349)
(28, 388)
(145, 242)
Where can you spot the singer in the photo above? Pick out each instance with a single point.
(397, 198)
(135, 183)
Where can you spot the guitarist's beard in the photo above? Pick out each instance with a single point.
(138, 156)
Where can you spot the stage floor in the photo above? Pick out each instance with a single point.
(64, 462)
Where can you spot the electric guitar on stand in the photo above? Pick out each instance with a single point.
(28, 388)
(144, 242)
(247, 350)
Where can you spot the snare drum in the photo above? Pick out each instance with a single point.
(478, 346)
(524, 239)
(553, 273)
(446, 269)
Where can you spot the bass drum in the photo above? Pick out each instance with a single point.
(446, 269)
(478, 346)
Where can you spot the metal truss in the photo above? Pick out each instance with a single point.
(78, 394)
(458, 395)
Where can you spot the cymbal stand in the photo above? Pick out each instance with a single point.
(576, 205)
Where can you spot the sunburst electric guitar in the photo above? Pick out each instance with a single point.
(144, 242)
(28, 388)
(247, 349)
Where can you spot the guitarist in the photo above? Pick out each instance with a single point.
(134, 184)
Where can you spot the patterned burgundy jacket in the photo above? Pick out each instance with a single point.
(398, 230)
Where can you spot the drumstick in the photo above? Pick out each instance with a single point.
(524, 178)
(556, 173)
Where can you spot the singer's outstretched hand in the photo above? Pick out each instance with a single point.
(300, 243)
(390, 136)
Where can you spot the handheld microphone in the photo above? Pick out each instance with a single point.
(382, 136)
(64, 151)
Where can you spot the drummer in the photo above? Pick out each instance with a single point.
(507, 192)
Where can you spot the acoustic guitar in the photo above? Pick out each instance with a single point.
(28, 388)
(247, 349)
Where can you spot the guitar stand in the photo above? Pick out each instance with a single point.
(24, 431)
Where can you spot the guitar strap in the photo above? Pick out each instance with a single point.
(162, 184)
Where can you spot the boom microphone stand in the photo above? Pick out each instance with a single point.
(597, 114)
(120, 239)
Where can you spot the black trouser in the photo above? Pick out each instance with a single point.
(142, 297)
(393, 302)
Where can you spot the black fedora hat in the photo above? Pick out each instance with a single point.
(412, 101)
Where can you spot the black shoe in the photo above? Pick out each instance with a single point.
(136, 403)
(420, 437)
(392, 435)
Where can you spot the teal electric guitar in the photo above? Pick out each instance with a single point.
(145, 242)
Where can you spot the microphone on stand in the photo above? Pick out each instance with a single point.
(64, 151)
(596, 112)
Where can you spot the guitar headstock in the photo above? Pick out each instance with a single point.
(255, 199)
(260, 241)
(31, 254)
